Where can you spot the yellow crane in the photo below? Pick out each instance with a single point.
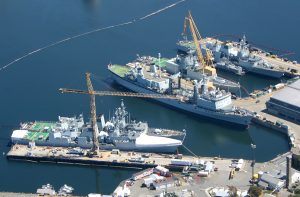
(206, 62)
(93, 112)
(94, 93)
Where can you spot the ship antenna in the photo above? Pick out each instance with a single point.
(122, 104)
(159, 55)
(240, 90)
(129, 117)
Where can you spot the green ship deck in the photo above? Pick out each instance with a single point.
(122, 70)
(189, 45)
(39, 126)
(34, 136)
(39, 130)
(163, 62)
(119, 70)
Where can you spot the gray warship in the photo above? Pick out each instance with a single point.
(120, 132)
(200, 98)
(240, 55)
(225, 65)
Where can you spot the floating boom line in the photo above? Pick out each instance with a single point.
(89, 32)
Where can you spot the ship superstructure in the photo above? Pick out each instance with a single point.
(190, 68)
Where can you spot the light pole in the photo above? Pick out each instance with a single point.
(253, 147)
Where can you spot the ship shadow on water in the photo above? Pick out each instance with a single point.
(72, 165)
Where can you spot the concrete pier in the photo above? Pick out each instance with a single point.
(266, 119)
(105, 158)
(13, 194)
(258, 105)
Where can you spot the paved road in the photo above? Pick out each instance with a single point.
(199, 185)
(10, 194)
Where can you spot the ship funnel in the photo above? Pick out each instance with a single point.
(196, 93)
(153, 68)
(204, 87)
(171, 85)
(179, 82)
(140, 71)
(101, 122)
(189, 59)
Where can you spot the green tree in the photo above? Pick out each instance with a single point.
(254, 191)
(297, 191)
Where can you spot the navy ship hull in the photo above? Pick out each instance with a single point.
(249, 67)
(268, 73)
(231, 118)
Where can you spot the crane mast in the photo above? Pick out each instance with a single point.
(207, 61)
(93, 112)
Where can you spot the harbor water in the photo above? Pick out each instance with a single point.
(29, 87)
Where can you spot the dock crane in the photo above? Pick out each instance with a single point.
(206, 62)
(93, 93)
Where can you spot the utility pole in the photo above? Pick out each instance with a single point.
(253, 147)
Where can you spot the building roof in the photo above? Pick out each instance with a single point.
(270, 180)
(150, 170)
(163, 169)
(290, 94)
(263, 184)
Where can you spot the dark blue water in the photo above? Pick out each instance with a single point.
(29, 88)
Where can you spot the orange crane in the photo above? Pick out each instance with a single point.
(206, 62)
(94, 93)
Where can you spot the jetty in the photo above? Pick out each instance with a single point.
(116, 159)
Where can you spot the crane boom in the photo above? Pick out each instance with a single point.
(207, 61)
(116, 93)
(195, 33)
